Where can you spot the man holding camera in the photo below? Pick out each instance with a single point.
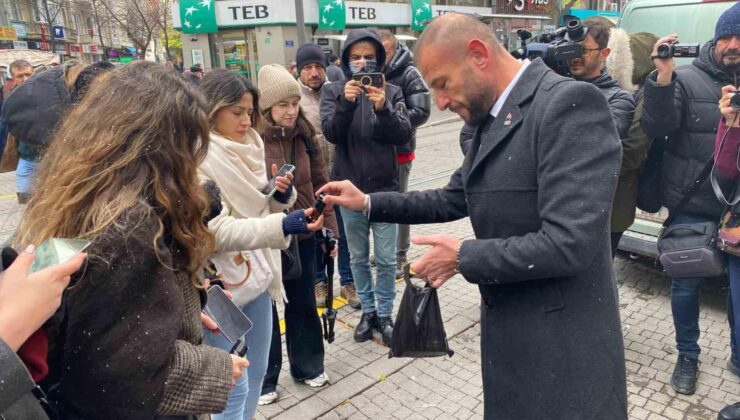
(400, 71)
(537, 183)
(366, 119)
(681, 104)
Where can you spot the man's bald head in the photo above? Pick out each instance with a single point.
(453, 31)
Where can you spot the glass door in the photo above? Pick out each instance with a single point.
(237, 51)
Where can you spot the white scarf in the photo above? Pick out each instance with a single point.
(238, 169)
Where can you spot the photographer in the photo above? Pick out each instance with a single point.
(367, 123)
(680, 104)
(590, 68)
(726, 157)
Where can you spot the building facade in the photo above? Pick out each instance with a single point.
(251, 32)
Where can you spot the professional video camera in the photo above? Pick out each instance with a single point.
(555, 48)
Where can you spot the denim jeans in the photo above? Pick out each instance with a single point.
(685, 304)
(358, 228)
(242, 404)
(303, 332)
(404, 231)
(3, 136)
(342, 261)
(25, 175)
(733, 311)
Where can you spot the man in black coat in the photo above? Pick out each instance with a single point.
(400, 71)
(537, 184)
(367, 124)
(682, 105)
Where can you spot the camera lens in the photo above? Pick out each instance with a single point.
(366, 81)
(735, 101)
(665, 50)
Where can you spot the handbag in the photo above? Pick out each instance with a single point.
(419, 329)
(689, 249)
(290, 258)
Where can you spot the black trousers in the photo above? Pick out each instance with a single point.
(616, 236)
(303, 332)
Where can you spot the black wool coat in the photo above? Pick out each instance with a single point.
(537, 184)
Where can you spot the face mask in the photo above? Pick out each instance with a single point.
(354, 68)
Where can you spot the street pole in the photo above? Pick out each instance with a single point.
(299, 22)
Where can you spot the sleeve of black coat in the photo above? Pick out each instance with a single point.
(336, 113)
(418, 99)
(578, 158)
(622, 106)
(663, 107)
(418, 207)
(391, 124)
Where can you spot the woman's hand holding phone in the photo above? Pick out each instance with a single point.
(282, 183)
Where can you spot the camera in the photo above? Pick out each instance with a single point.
(369, 79)
(666, 50)
(555, 48)
(735, 101)
(318, 208)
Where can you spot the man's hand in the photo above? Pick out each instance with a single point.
(438, 264)
(27, 301)
(343, 193)
(352, 90)
(376, 96)
(664, 66)
(282, 182)
(732, 117)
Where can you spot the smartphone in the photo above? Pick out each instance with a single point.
(369, 79)
(318, 208)
(57, 251)
(271, 188)
(230, 319)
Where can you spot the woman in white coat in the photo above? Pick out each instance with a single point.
(252, 228)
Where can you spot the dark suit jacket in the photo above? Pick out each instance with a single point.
(538, 185)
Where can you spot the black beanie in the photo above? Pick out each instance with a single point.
(309, 54)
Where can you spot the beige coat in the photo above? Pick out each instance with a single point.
(310, 101)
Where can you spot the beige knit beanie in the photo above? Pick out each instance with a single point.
(276, 84)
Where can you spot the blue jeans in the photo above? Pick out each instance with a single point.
(343, 267)
(3, 136)
(242, 404)
(357, 229)
(733, 311)
(685, 305)
(25, 175)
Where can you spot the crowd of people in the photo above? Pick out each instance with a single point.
(177, 181)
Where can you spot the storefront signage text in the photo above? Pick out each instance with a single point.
(249, 12)
(362, 13)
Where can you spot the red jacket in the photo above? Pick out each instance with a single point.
(726, 147)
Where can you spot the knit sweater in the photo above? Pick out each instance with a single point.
(126, 342)
(250, 221)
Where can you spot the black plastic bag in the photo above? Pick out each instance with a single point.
(419, 330)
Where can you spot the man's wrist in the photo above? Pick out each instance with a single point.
(366, 206)
(457, 258)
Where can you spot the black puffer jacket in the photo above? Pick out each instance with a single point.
(365, 139)
(686, 112)
(402, 73)
(621, 103)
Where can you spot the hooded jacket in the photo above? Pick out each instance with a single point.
(402, 73)
(686, 112)
(365, 139)
(621, 103)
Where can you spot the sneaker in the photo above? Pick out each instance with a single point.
(269, 398)
(401, 262)
(349, 293)
(321, 292)
(685, 374)
(318, 381)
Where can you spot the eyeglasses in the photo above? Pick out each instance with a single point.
(587, 51)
